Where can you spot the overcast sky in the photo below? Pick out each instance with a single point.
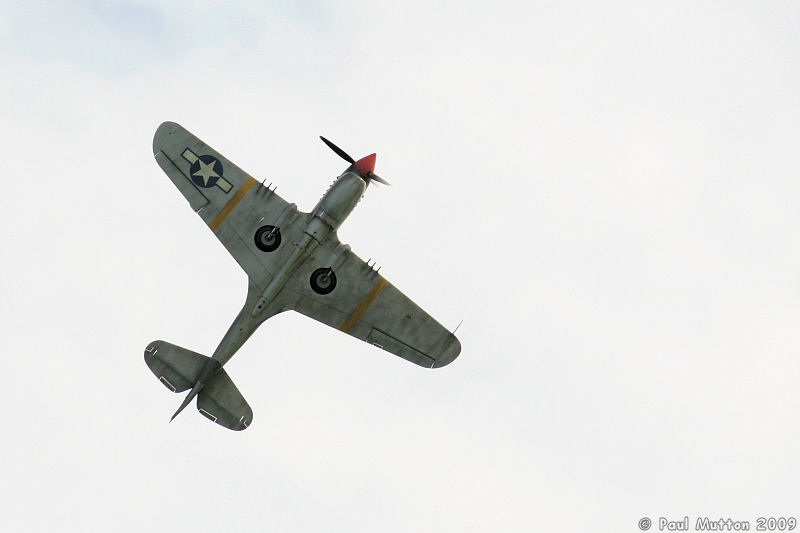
(605, 193)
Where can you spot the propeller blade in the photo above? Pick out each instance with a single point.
(341, 153)
(364, 165)
(377, 178)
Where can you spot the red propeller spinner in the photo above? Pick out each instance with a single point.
(365, 166)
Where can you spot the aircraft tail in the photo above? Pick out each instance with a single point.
(179, 369)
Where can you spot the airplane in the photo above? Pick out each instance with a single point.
(293, 261)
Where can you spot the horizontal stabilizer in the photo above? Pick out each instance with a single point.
(177, 368)
(221, 402)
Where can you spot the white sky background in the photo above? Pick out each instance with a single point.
(606, 195)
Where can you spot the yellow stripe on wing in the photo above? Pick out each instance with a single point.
(227, 208)
(361, 308)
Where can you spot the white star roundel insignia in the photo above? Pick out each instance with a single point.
(206, 171)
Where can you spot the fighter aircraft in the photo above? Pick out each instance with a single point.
(293, 260)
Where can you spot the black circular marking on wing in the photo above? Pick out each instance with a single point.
(323, 280)
(268, 238)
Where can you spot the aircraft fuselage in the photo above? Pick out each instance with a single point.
(328, 215)
(333, 208)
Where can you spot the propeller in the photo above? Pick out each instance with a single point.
(364, 166)
(341, 153)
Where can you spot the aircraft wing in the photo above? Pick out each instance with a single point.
(231, 202)
(365, 305)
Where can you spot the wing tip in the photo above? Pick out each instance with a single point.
(164, 129)
(449, 354)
